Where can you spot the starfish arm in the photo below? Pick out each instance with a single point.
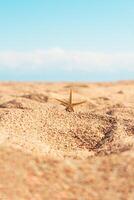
(69, 109)
(75, 104)
(70, 98)
(62, 102)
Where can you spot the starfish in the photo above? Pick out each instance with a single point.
(68, 104)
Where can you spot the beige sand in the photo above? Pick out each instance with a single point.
(47, 153)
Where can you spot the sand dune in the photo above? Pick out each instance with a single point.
(49, 153)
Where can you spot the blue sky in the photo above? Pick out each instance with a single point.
(78, 40)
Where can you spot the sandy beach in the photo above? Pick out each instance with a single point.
(48, 153)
